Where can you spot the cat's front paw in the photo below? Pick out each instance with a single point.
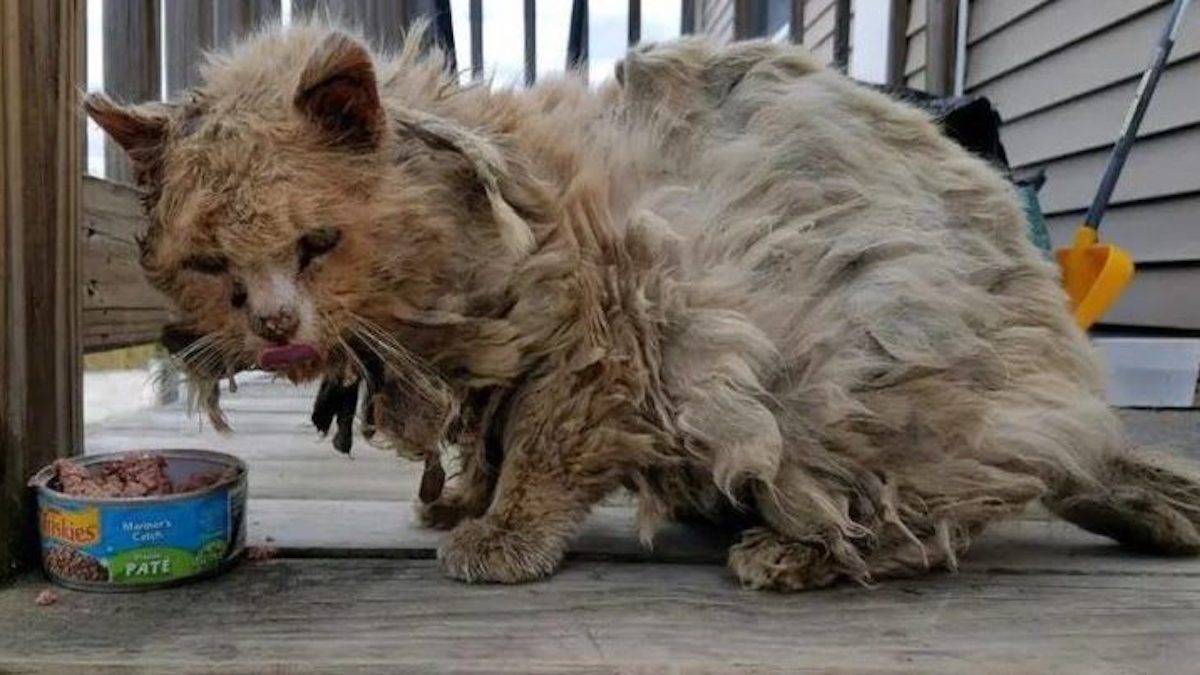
(481, 551)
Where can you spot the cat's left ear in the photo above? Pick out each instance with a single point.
(338, 93)
(140, 130)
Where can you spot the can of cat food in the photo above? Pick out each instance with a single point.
(101, 543)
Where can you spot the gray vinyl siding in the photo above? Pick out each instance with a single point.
(914, 56)
(1062, 74)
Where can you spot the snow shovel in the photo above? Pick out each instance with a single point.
(1094, 273)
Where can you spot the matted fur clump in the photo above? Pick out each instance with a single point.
(732, 280)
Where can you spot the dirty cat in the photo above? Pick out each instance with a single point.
(729, 279)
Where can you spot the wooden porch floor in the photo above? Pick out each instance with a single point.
(355, 590)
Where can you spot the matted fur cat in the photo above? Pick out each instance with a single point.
(731, 280)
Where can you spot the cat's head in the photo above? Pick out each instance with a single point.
(294, 209)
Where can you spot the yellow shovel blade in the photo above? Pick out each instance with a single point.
(1094, 275)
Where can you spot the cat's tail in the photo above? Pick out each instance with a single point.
(1143, 498)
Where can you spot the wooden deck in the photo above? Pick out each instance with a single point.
(355, 590)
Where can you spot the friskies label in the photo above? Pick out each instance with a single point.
(80, 528)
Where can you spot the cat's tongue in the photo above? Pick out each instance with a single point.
(283, 356)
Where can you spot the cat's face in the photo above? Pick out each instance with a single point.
(288, 230)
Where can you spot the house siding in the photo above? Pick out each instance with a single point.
(1062, 74)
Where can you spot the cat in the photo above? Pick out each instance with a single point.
(729, 279)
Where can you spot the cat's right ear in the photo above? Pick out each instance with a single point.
(338, 93)
(139, 130)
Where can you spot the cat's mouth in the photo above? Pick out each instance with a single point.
(278, 358)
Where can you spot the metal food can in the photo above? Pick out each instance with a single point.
(142, 543)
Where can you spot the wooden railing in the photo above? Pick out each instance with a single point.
(118, 307)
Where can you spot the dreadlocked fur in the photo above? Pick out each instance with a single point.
(731, 280)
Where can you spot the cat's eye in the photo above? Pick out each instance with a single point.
(317, 243)
(206, 263)
(238, 294)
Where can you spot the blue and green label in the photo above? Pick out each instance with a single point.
(136, 543)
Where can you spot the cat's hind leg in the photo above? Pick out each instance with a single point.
(1067, 436)
(820, 527)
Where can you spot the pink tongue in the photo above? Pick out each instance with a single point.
(276, 358)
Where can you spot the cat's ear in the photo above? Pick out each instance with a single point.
(140, 130)
(338, 93)
(515, 194)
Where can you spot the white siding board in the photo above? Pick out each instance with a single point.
(1043, 31)
(821, 30)
(1152, 232)
(1087, 66)
(816, 10)
(988, 16)
(1157, 167)
(1159, 298)
(914, 58)
(916, 17)
(1094, 121)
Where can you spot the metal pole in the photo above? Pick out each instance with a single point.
(1134, 118)
(577, 42)
(476, 16)
(796, 23)
(634, 35)
(530, 42)
(960, 57)
(687, 17)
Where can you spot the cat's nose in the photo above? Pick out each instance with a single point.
(279, 326)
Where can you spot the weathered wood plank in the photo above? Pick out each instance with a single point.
(236, 18)
(310, 616)
(315, 528)
(40, 168)
(132, 66)
(191, 29)
(383, 22)
(119, 307)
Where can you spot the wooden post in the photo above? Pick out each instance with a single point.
(190, 31)
(796, 23)
(941, 16)
(131, 67)
(41, 166)
(841, 35)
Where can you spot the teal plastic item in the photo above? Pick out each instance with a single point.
(1035, 221)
